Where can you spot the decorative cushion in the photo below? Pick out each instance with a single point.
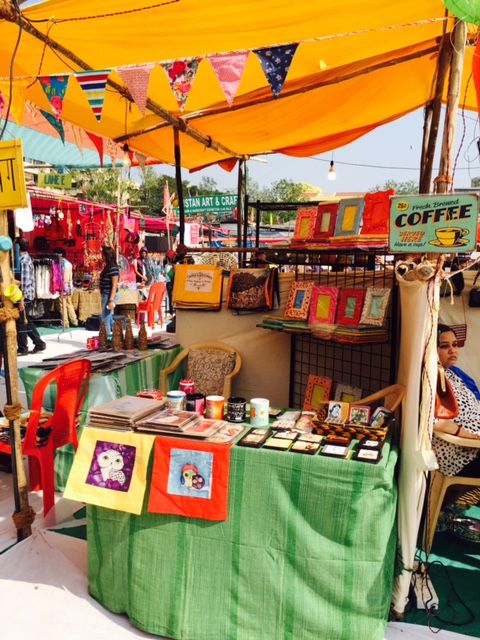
(208, 368)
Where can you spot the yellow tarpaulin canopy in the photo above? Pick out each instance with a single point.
(358, 65)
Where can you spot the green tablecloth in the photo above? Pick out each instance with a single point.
(307, 553)
(134, 377)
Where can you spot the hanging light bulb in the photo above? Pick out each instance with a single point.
(332, 174)
(126, 157)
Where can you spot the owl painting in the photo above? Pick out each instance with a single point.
(111, 464)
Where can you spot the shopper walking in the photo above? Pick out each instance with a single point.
(109, 277)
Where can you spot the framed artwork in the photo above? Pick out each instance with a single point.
(323, 305)
(337, 411)
(349, 217)
(375, 306)
(305, 223)
(376, 212)
(298, 302)
(359, 414)
(325, 221)
(347, 393)
(318, 391)
(350, 305)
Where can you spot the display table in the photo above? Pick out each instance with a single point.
(307, 553)
(134, 377)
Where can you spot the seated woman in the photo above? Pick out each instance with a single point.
(452, 459)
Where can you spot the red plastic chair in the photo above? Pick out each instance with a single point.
(153, 304)
(60, 428)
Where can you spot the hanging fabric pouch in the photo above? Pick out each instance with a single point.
(253, 289)
(446, 407)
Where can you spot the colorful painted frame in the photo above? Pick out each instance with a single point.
(350, 306)
(325, 222)
(323, 305)
(305, 223)
(337, 411)
(349, 218)
(318, 391)
(359, 414)
(347, 393)
(375, 306)
(298, 302)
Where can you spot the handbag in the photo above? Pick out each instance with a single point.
(474, 295)
(446, 407)
(253, 289)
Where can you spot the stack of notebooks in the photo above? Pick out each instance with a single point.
(179, 423)
(123, 413)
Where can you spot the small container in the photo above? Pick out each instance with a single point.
(176, 399)
(236, 409)
(187, 385)
(259, 416)
(214, 407)
(196, 402)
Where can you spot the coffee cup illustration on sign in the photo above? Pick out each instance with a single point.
(450, 237)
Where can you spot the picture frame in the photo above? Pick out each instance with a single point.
(376, 212)
(337, 411)
(375, 306)
(325, 221)
(323, 305)
(347, 393)
(298, 302)
(349, 217)
(318, 391)
(350, 306)
(305, 223)
(359, 414)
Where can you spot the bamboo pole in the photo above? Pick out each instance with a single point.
(178, 179)
(9, 344)
(443, 182)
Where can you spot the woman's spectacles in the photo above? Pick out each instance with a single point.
(447, 345)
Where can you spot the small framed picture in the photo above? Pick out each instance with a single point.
(381, 417)
(337, 411)
(305, 223)
(325, 222)
(347, 393)
(323, 305)
(349, 217)
(359, 414)
(376, 212)
(350, 305)
(375, 306)
(298, 302)
(318, 391)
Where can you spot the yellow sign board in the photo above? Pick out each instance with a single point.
(55, 180)
(13, 191)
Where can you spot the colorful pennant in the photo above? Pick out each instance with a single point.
(18, 98)
(181, 74)
(276, 63)
(112, 150)
(110, 469)
(56, 124)
(54, 88)
(93, 84)
(136, 79)
(190, 479)
(229, 69)
(98, 142)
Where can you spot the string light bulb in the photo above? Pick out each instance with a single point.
(126, 157)
(332, 174)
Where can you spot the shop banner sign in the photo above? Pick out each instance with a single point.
(13, 191)
(435, 223)
(220, 203)
(55, 180)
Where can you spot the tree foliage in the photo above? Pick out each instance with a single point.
(402, 188)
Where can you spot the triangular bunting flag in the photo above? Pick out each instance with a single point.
(141, 159)
(181, 74)
(19, 97)
(98, 142)
(56, 124)
(229, 68)
(93, 84)
(76, 134)
(136, 79)
(276, 63)
(112, 150)
(55, 87)
(3, 104)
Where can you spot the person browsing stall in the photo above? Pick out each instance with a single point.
(25, 327)
(454, 459)
(67, 309)
(109, 277)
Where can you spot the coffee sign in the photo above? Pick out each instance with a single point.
(439, 223)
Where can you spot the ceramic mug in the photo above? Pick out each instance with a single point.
(236, 409)
(176, 399)
(214, 407)
(259, 408)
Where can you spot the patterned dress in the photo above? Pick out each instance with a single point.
(450, 457)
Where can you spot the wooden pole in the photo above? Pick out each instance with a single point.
(239, 206)
(432, 118)
(443, 182)
(178, 179)
(9, 343)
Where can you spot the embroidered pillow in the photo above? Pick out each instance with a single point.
(208, 368)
